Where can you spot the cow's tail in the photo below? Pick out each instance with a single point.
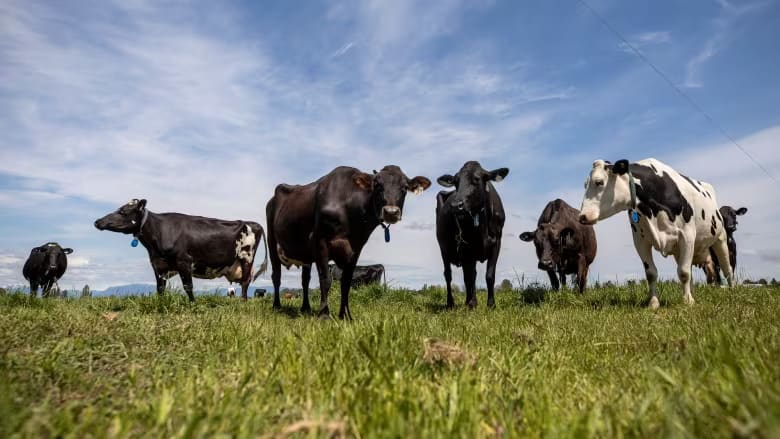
(264, 265)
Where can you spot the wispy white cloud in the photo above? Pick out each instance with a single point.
(646, 39)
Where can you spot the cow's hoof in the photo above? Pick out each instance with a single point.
(305, 310)
(654, 303)
(324, 316)
(688, 300)
(450, 306)
(491, 305)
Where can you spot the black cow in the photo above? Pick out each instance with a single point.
(730, 224)
(563, 245)
(190, 246)
(45, 267)
(363, 274)
(331, 219)
(469, 223)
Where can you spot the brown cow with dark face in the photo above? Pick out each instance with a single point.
(332, 219)
(563, 245)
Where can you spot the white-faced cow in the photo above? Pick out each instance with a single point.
(45, 267)
(729, 215)
(332, 219)
(563, 245)
(469, 223)
(667, 211)
(190, 246)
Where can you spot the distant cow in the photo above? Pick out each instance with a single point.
(363, 274)
(190, 246)
(45, 267)
(331, 219)
(730, 222)
(563, 245)
(469, 223)
(231, 292)
(667, 211)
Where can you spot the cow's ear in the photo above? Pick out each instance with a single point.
(742, 211)
(363, 181)
(418, 184)
(498, 174)
(568, 238)
(527, 236)
(620, 167)
(446, 180)
(141, 204)
(67, 250)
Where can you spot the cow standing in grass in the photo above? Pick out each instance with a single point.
(332, 219)
(469, 224)
(190, 246)
(713, 267)
(563, 245)
(45, 266)
(667, 211)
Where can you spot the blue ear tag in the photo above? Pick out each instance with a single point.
(634, 216)
(387, 234)
(134, 243)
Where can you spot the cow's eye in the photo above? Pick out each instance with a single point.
(599, 183)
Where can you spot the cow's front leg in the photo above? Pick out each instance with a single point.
(33, 289)
(582, 273)
(490, 273)
(321, 259)
(160, 268)
(346, 283)
(185, 273)
(554, 280)
(684, 258)
(305, 278)
(562, 276)
(470, 278)
(645, 251)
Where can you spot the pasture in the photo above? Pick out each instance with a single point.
(540, 364)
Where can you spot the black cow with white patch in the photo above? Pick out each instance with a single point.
(363, 274)
(712, 269)
(469, 224)
(45, 266)
(563, 245)
(667, 211)
(190, 246)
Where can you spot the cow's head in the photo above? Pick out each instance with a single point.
(388, 191)
(551, 241)
(471, 187)
(53, 256)
(730, 217)
(127, 219)
(607, 191)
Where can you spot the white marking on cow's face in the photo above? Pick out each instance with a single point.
(418, 190)
(245, 245)
(605, 194)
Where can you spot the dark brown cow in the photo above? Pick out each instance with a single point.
(563, 245)
(331, 219)
(469, 223)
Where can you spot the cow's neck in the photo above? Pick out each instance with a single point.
(145, 235)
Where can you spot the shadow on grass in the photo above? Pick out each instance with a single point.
(437, 307)
(532, 296)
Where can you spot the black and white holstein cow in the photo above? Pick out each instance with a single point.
(667, 211)
(469, 223)
(190, 246)
(45, 267)
(729, 215)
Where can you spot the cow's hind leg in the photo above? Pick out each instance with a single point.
(684, 258)
(722, 252)
(305, 278)
(582, 273)
(185, 273)
(33, 289)
(276, 267)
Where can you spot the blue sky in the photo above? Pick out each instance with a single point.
(204, 107)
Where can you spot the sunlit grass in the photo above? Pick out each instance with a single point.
(540, 364)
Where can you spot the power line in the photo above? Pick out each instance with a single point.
(679, 91)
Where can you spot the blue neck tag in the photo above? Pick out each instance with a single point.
(134, 243)
(387, 234)
(634, 216)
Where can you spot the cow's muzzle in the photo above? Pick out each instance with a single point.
(546, 264)
(587, 221)
(391, 214)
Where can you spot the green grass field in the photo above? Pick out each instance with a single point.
(540, 364)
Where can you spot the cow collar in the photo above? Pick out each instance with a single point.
(632, 213)
(143, 221)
